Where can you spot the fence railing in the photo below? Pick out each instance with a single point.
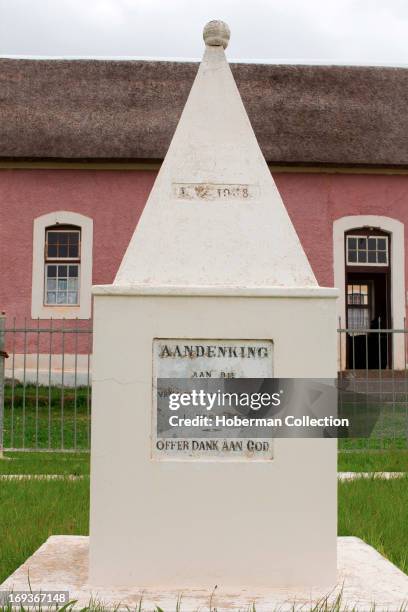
(45, 385)
(46, 370)
(373, 369)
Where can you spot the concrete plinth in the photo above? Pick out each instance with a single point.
(364, 576)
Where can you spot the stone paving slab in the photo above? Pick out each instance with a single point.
(365, 576)
(42, 477)
(381, 475)
(340, 476)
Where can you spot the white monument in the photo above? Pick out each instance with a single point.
(214, 283)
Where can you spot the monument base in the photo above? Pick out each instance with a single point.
(365, 577)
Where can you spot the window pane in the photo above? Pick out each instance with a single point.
(62, 297)
(52, 237)
(73, 237)
(72, 297)
(353, 294)
(73, 251)
(369, 251)
(62, 284)
(62, 244)
(357, 294)
(358, 318)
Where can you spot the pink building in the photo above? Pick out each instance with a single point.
(82, 141)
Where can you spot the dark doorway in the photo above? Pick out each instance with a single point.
(368, 299)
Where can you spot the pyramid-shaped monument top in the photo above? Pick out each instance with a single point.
(214, 217)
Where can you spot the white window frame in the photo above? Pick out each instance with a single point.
(53, 229)
(57, 261)
(45, 311)
(366, 263)
(56, 264)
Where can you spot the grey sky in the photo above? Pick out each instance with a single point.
(339, 31)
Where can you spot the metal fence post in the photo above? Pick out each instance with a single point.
(3, 356)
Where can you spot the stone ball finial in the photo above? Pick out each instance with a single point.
(216, 34)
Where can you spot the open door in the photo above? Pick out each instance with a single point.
(368, 304)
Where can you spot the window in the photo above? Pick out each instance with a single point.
(367, 250)
(62, 266)
(358, 306)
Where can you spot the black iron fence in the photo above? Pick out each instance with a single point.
(373, 370)
(45, 385)
(46, 370)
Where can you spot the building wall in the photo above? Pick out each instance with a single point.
(315, 201)
(114, 199)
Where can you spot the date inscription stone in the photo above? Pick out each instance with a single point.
(213, 191)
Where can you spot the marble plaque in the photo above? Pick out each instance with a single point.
(200, 359)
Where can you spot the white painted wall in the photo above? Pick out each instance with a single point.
(35, 368)
(183, 524)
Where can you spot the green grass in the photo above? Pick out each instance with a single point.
(321, 606)
(32, 510)
(373, 444)
(376, 425)
(45, 463)
(210, 606)
(78, 463)
(376, 511)
(47, 417)
(373, 461)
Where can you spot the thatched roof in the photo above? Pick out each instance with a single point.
(128, 110)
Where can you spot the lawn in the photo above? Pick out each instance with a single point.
(391, 460)
(376, 511)
(46, 417)
(78, 463)
(45, 463)
(32, 510)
